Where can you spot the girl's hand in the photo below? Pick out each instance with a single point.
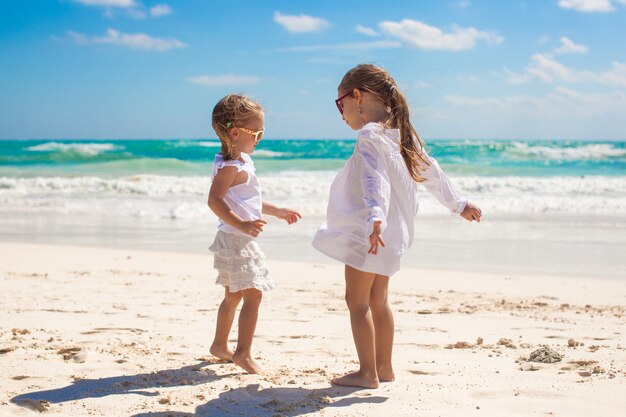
(471, 213)
(252, 227)
(375, 239)
(290, 216)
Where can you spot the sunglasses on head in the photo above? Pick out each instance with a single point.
(338, 102)
(257, 135)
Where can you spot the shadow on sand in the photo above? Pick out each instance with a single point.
(268, 402)
(243, 401)
(139, 384)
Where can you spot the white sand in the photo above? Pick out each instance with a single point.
(89, 331)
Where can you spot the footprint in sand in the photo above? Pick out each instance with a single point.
(36, 405)
(75, 354)
(113, 329)
(459, 345)
(417, 372)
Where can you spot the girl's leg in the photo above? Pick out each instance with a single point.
(384, 327)
(247, 324)
(358, 289)
(225, 317)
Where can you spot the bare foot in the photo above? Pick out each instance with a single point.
(356, 379)
(222, 352)
(386, 374)
(246, 362)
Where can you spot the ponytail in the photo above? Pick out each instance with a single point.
(411, 144)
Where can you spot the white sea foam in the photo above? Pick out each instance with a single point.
(215, 144)
(591, 151)
(170, 197)
(258, 152)
(87, 149)
(271, 154)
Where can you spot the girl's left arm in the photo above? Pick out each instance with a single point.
(438, 184)
(290, 216)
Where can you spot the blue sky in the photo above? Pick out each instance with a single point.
(100, 69)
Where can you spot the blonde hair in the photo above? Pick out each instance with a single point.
(232, 111)
(376, 80)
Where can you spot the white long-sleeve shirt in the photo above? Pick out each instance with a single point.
(375, 185)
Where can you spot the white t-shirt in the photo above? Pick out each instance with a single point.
(375, 185)
(244, 199)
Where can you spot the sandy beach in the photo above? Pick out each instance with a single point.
(117, 332)
(118, 119)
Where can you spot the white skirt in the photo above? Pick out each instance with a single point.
(240, 263)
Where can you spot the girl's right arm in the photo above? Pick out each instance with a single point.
(375, 188)
(222, 181)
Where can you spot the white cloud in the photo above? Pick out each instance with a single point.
(77, 38)
(366, 31)
(428, 37)
(131, 8)
(301, 23)
(490, 102)
(343, 46)
(107, 3)
(561, 95)
(421, 84)
(515, 77)
(577, 98)
(569, 47)
(545, 68)
(560, 113)
(160, 10)
(587, 5)
(462, 101)
(133, 13)
(224, 80)
(130, 40)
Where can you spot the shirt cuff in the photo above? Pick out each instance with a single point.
(374, 219)
(460, 206)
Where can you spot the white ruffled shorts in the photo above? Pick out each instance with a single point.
(240, 263)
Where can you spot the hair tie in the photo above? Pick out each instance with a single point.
(393, 87)
(228, 125)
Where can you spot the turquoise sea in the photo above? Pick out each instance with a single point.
(193, 157)
(550, 207)
(158, 179)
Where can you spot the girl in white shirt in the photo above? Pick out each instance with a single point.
(235, 197)
(371, 211)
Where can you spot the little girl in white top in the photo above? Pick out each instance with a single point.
(371, 211)
(235, 197)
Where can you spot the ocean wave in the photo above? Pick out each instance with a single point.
(270, 154)
(86, 149)
(595, 151)
(163, 166)
(135, 185)
(175, 197)
(213, 144)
